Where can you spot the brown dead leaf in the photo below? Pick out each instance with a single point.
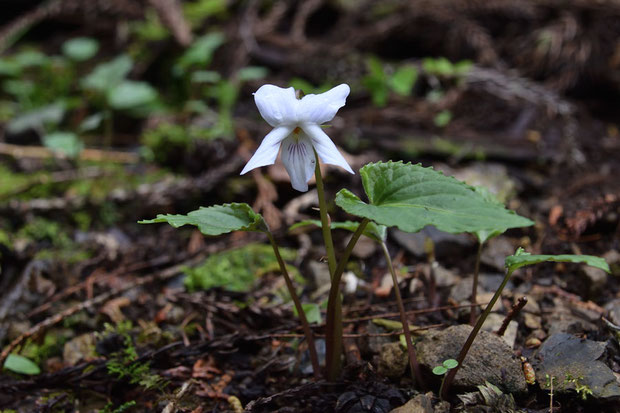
(113, 307)
(205, 369)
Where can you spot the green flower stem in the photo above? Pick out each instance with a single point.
(474, 288)
(325, 222)
(413, 360)
(450, 376)
(300, 311)
(333, 332)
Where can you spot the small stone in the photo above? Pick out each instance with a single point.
(489, 359)
(364, 247)
(423, 403)
(444, 277)
(562, 320)
(495, 252)
(486, 297)
(614, 311)
(533, 342)
(393, 361)
(445, 244)
(319, 273)
(573, 362)
(596, 277)
(79, 348)
(532, 321)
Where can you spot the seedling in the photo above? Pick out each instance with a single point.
(442, 369)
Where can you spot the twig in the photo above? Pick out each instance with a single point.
(514, 311)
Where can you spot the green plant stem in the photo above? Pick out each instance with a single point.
(333, 332)
(325, 221)
(413, 360)
(474, 332)
(300, 311)
(474, 288)
(443, 382)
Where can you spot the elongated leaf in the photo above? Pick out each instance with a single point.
(109, 74)
(216, 220)
(130, 94)
(411, 197)
(522, 258)
(373, 231)
(21, 365)
(80, 48)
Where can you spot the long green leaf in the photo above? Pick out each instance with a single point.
(373, 231)
(217, 219)
(411, 197)
(21, 365)
(521, 259)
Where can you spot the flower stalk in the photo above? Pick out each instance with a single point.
(333, 333)
(314, 359)
(413, 360)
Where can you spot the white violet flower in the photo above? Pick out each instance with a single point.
(297, 127)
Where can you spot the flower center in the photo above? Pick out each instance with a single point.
(295, 134)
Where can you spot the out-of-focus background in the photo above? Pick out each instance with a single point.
(112, 111)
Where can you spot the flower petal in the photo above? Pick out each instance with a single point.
(322, 108)
(278, 106)
(267, 152)
(299, 161)
(325, 147)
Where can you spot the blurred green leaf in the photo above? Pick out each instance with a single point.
(21, 365)
(108, 75)
(403, 80)
(38, 118)
(200, 53)
(66, 143)
(206, 76)
(312, 311)
(450, 364)
(252, 73)
(91, 123)
(30, 58)
(197, 11)
(442, 119)
(9, 67)
(439, 370)
(131, 94)
(80, 48)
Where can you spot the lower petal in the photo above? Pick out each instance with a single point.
(299, 161)
(325, 147)
(267, 152)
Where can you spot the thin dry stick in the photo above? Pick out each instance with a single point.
(48, 322)
(413, 360)
(514, 311)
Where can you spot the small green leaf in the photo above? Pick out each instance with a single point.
(80, 48)
(440, 370)
(108, 75)
(66, 143)
(403, 80)
(92, 122)
(442, 119)
(200, 52)
(21, 365)
(450, 364)
(312, 311)
(411, 197)
(373, 231)
(130, 94)
(205, 76)
(522, 258)
(217, 219)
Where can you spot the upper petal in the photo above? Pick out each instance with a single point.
(325, 147)
(322, 108)
(267, 152)
(278, 106)
(299, 161)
